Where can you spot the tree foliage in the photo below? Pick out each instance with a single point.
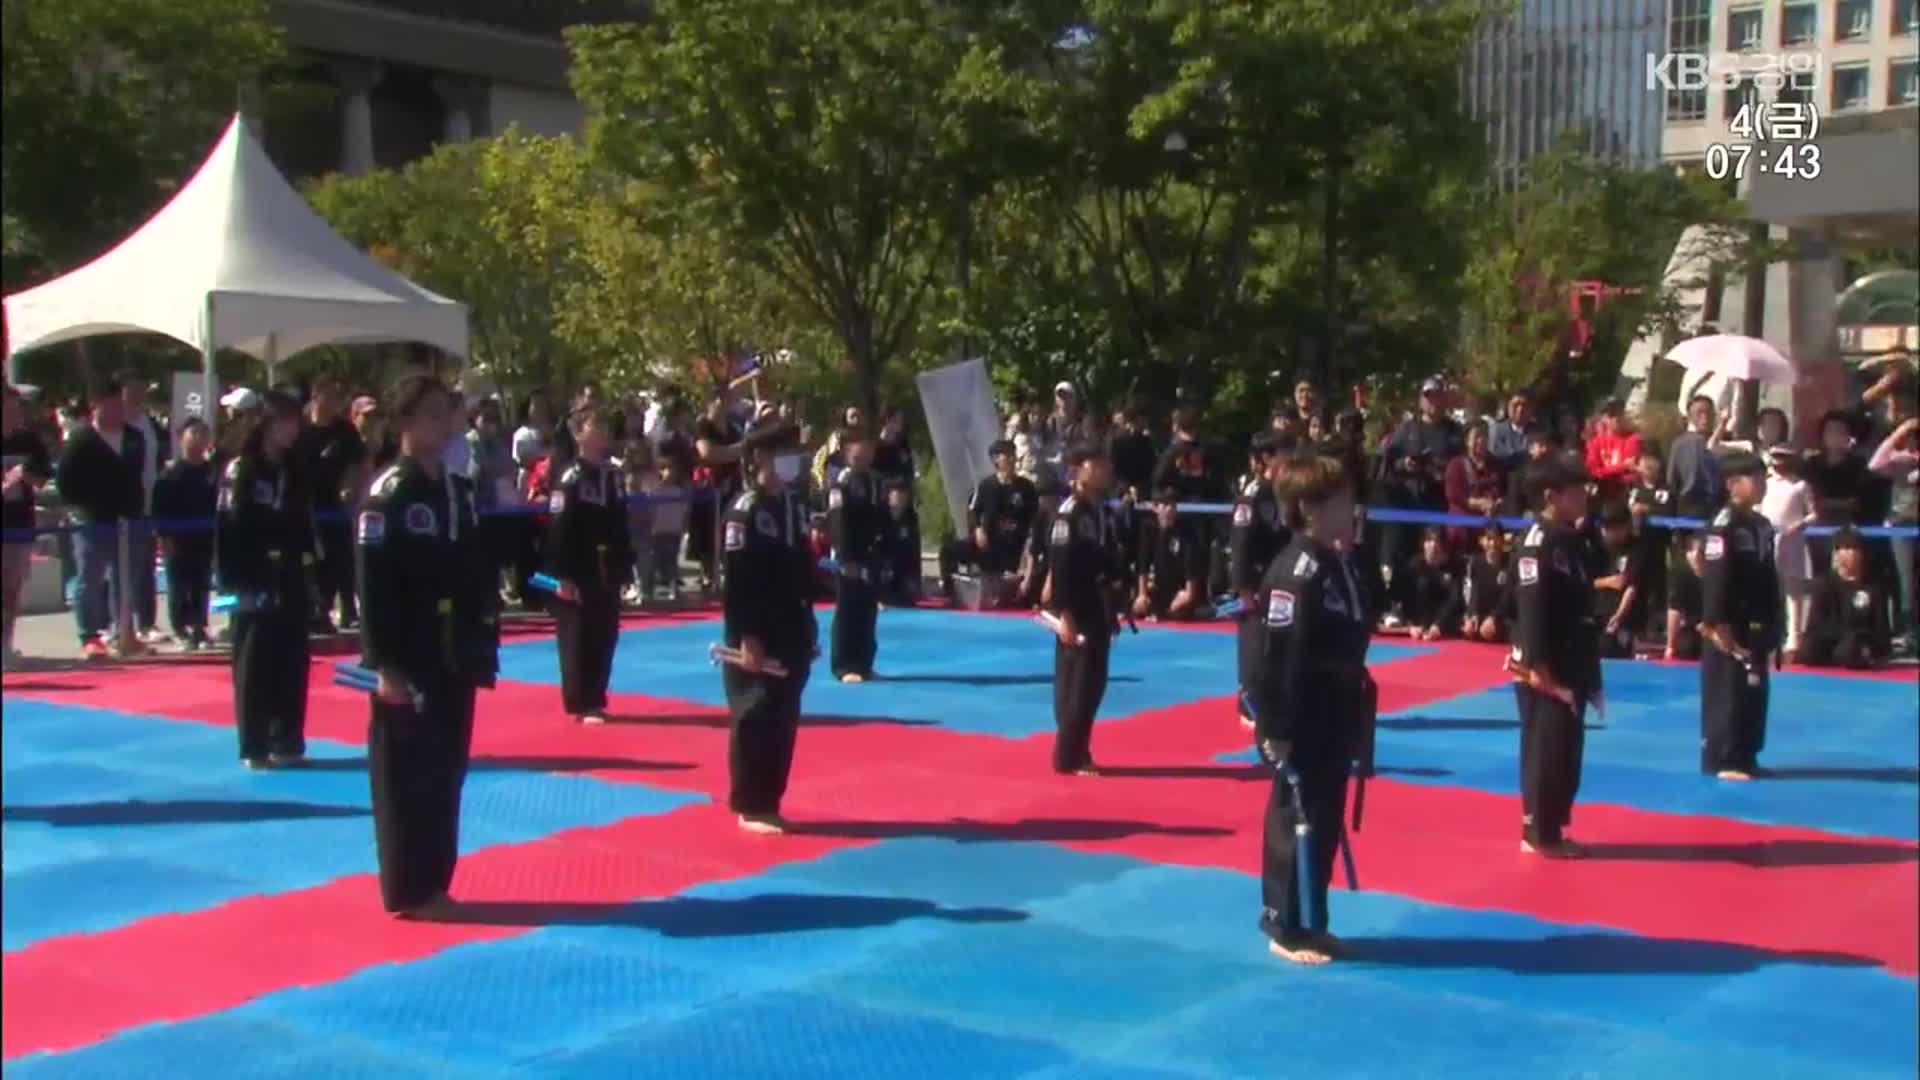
(830, 141)
(1580, 219)
(109, 105)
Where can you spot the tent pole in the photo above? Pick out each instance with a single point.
(273, 357)
(207, 350)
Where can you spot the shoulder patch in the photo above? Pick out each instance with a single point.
(420, 520)
(384, 484)
(1305, 565)
(1529, 570)
(1280, 608)
(736, 535)
(1716, 548)
(373, 528)
(1242, 514)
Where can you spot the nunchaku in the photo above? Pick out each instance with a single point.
(1303, 832)
(355, 677)
(546, 583)
(1053, 622)
(728, 656)
(1534, 681)
(1228, 606)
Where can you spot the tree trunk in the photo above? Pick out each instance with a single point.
(866, 365)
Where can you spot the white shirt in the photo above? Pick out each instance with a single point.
(1787, 502)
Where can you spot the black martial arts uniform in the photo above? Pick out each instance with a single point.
(1740, 591)
(1004, 510)
(1556, 637)
(900, 579)
(1683, 596)
(429, 608)
(1847, 625)
(856, 528)
(589, 544)
(1164, 561)
(263, 542)
(329, 455)
(1486, 591)
(1082, 556)
(769, 585)
(1257, 534)
(1628, 561)
(187, 491)
(1428, 594)
(1308, 692)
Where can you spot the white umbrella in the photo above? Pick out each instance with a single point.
(1733, 356)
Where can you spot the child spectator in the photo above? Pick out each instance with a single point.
(1428, 588)
(1847, 626)
(669, 497)
(1486, 601)
(188, 490)
(900, 579)
(1685, 605)
(1620, 589)
(1650, 498)
(1788, 505)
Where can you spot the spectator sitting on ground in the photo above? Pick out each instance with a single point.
(1685, 605)
(1847, 625)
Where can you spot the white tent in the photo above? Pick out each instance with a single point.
(237, 260)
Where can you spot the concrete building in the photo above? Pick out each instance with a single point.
(1549, 70)
(1858, 61)
(383, 81)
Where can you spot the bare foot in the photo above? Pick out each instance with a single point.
(1246, 722)
(766, 824)
(1733, 774)
(435, 907)
(1089, 769)
(1328, 944)
(1299, 954)
(850, 677)
(594, 718)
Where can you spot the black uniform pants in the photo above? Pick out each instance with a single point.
(189, 587)
(856, 615)
(964, 552)
(335, 577)
(1247, 656)
(1733, 711)
(1079, 682)
(1323, 795)
(587, 630)
(760, 738)
(270, 660)
(1837, 648)
(1553, 738)
(416, 764)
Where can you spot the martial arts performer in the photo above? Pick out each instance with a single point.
(264, 545)
(1258, 533)
(590, 550)
(1082, 562)
(1555, 661)
(1308, 689)
(856, 525)
(1739, 624)
(429, 626)
(769, 620)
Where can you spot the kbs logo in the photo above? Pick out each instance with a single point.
(1729, 71)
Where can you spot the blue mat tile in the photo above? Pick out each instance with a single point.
(976, 673)
(1843, 747)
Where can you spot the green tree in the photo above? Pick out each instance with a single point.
(500, 224)
(831, 142)
(1581, 219)
(109, 105)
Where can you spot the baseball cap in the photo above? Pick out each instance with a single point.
(1434, 385)
(1064, 387)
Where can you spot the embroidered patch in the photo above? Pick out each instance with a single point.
(557, 501)
(263, 492)
(1280, 608)
(1560, 561)
(835, 499)
(1173, 546)
(420, 520)
(736, 535)
(1090, 527)
(1716, 548)
(373, 528)
(1305, 566)
(1660, 497)
(1743, 540)
(593, 493)
(1334, 601)
(1529, 570)
(1271, 512)
(763, 521)
(1862, 600)
(1242, 515)
(1061, 532)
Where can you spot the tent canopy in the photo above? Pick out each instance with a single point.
(237, 260)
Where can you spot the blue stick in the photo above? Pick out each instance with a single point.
(1227, 607)
(225, 601)
(545, 582)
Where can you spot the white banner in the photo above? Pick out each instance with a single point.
(963, 422)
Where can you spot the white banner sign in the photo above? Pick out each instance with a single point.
(963, 422)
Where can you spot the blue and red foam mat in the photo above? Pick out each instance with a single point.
(945, 905)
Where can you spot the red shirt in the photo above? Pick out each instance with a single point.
(1613, 457)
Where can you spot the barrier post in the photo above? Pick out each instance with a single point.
(123, 592)
(718, 545)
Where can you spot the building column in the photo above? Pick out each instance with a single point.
(1802, 321)
(466, 103)
(357, 78)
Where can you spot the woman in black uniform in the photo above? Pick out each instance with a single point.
(263, 543)
(1308, 696)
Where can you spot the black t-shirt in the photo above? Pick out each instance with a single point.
(327, 453)
(1683, 595)
(24, 448)
(723, 432)
(1846, 479)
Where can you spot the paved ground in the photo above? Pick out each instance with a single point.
(949, 907)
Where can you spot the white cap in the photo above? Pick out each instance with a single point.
(1064, 387)
(239, 398)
